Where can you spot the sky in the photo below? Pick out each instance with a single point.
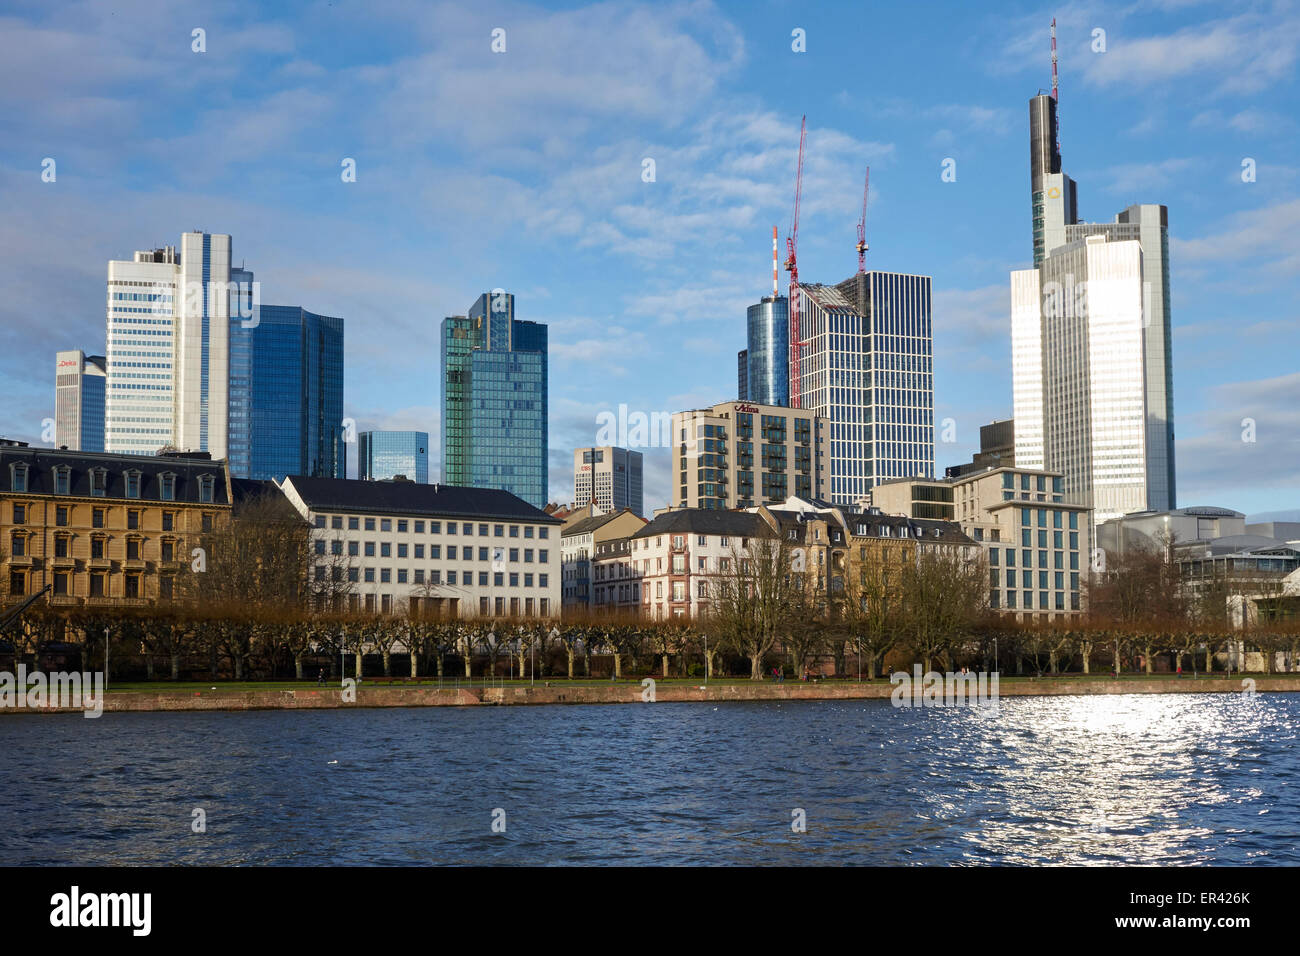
(526, 170)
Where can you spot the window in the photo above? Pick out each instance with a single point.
(419, 551)
(97, 547)
(419, 527)
(435, 527)
(354, 549)
(514, 579)
(165, 589)
(543, 533)
(132, 583)
(97, 519)
(370, 575)
(401, 575)
(18, 478)
(336, 522)
(354, 523)
(385, 549)
(528, 531)
(62, 480)
(542, 580)
(498, 579)
(370, 549)
(370, 524)
(61, 582)
(167, 487)
(482, 531)
(133, 549)
(401, 526)
(61, 543)
(385, 524)
(133, 520)
(206, 485)
(401, 550)
(18, 545)
(542, 554)
(20, 514)
(17, 582)
(168, 550)
(98, 482)
(385, 575)
(97, 585)
(336, 547)
(499, 530)
(61, 515)
(320, 521)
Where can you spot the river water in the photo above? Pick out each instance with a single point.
(1137, 779)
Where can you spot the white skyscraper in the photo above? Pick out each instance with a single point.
(168, 348)
(78, 401)
(1090, 345)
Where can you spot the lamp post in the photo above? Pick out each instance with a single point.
(995, 654)
(706, 661)
(105, 658)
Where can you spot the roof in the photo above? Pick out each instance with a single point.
(588, 525)
(949, 531)
(828, 297)
(41, 463)
(414, 498)
(706, 521)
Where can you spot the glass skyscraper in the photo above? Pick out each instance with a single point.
(768, 354)
(868, 370)
(286, 395)
(494, 400)
(79, 381)
(382, 455)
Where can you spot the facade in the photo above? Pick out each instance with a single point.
(494, 406)
(1038, 543)
(398, 547)
(103, 529)
(286, 395)
(1091, 344)
(383, 455)
(766, 375)
(997, 449)
(867, 369)
(168, 349)
(609, 477)
(738, 455)
(681, 554)
(79, 400)
(616, 582)
(579, 542)
(1158, 530)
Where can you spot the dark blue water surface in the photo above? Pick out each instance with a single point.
(1157, 779)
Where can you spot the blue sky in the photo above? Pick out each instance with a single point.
(523, 170)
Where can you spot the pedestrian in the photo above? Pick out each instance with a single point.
(320, 678)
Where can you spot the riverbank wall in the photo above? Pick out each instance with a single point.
(317, 698)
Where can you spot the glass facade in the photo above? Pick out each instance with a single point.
(286, 395)
(868, 370)
(382, 455)
(495, 390)
(768, 354)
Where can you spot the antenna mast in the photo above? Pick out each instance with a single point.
(792, 266)
(1055, 86)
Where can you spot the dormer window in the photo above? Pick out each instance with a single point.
(133, 484)
(62, 480)
(99, 482)
(18, 477)
(167, 486)
(205, 489)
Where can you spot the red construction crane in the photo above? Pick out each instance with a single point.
(792, 266)
(862, 225)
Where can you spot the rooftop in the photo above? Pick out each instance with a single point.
(408, 497)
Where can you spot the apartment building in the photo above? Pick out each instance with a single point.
(104, 529)
(579, 541)
(616, 582)
(399, 547)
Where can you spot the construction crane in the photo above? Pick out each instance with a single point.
(792, 267)
(862, 225)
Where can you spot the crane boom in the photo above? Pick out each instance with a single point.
(792, 266)
(862, 225)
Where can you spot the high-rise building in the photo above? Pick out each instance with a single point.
(867, 369)
(742, 375)
(168, 350)
(610, 477)
(79, 401)
(767, 359)
(1090, 341)
(286, 395)
(738, 455)
(383, 455)
(494, 400)
(997, 450)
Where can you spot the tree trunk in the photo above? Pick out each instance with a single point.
(665, 666)
(571, 656)
(618, 665)
(359, 657)
(415, 661)
(755, 666)
(148, 663)
(1086, 651)
(239, 666)
(176, 665)
(388, 661)
(870, 665)
(297, 664)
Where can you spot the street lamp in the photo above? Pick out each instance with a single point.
(105, 658)
(706, 661)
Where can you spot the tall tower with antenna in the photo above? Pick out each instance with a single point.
(1054, 203)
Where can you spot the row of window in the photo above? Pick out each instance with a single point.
(403, 550)
(63, 515)
(19, 476)
(416, 526)
(417, 576)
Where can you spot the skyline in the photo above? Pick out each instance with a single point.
(645, 286)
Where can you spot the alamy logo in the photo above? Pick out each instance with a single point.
(73, 909)
(66, 690)
(933, 689)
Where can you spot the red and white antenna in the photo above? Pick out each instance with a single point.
(792, 266)
(775, 273)
(1055, 88)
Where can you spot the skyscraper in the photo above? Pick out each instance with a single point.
(494, 400)
(79, 401)
(286, 395)
(383, 455)
(867, 368)
(767, 358)
(1090, 342)
(609, 476)
(169, 317)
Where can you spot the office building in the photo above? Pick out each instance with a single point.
(79, 400)
(1091, 351)
(867, 369)
(997, 450)
(286, 395)
(579, 543)
(494, 403)
(102, 529)
(383, 455)
(742, 375)
(399, 547)
(767, 359)
(609, 477)
(739, 454)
